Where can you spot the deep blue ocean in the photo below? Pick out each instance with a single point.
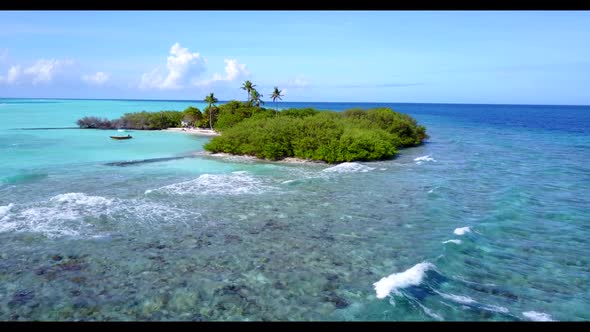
(488, 220)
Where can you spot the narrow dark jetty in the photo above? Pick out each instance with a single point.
(52, 128)
(145, 161)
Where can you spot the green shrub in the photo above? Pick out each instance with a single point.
(299, 112)
(151, 120)
(320, 135)
(192, 115)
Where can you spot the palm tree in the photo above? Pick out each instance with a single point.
(276, 94)
(210, 99)
(248, 86)
(256, 97)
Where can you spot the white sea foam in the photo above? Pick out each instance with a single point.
(349, 168)
(154, 215)
(466, 300)
(80, 199)
(472, 282)
(5, 209)
(457, 298)
(462, 230)
(68, 206)
(453, 241)
(495, 308)
(60, 215)
(223, 184)
(429, 312)
(394, 282)
(537, 316)
(419, 160)
(78, 214)
(235, 158)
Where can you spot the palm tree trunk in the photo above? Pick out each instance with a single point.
(210, 118)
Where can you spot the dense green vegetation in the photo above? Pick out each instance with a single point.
(145, 120)
(151, 120)
(307, 133)
(233, 112)
(311, 134)
(192, 116)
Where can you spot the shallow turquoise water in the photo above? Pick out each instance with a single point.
(232, 239)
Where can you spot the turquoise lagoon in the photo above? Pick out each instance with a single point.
(488, 220)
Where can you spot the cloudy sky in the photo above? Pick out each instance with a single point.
(524, 57)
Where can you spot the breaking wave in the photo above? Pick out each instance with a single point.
(5, 209)
(349, 167)
(422, 159)
(78, 214)
(394, 282)
(461, 230)
(237, 183)
(537, 316)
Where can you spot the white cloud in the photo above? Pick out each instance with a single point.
(44, 70)
(181, 65)
(12, 76)
(97, 79)
(151, 80)
(233, 71)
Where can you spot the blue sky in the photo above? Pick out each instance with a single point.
(522, 57)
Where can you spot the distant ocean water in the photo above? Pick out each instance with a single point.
(488, 220)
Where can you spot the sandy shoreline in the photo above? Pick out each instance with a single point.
(288, 160)
(194, 131)
(208, 132)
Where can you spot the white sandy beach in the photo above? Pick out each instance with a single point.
(195, 131)
(288, 160)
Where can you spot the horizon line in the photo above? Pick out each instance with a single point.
(327, 102)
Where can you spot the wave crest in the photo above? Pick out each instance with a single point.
(237, 183)
(422, 159)
(349, 167)
(4, 210)
(537, 316)
(80, 199)
(78, 214)
(462, 230)
(394, 282)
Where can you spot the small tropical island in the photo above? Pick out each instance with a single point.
(248, 129)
